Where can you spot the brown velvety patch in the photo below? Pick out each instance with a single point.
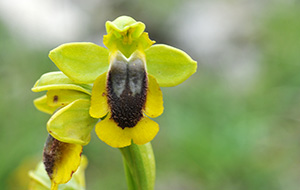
(127, 109)
(52, 153)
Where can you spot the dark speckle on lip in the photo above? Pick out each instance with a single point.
(55, 99)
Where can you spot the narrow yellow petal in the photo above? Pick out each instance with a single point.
(154, 102)
(144, 131)
(99, 106)
(113, 135)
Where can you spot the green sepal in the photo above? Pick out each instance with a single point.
(125, 24)
(58, 80)
(82, 62)
(42, 105)
(126, 35)
(72, 123)
(170, 66)
(39, 179)
(113, 44)
(63, 97)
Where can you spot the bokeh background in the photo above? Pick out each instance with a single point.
(234, 125)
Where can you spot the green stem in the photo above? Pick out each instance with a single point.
(139, 166)
(129, 178)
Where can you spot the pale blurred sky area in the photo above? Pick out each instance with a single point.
(218, 33)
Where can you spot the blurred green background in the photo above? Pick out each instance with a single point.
(234, 125)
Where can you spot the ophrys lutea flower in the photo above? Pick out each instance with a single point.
(126, 79)
(69, 127)
(118, 87)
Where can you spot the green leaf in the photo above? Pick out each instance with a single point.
(58, 80)
(41, 104)
(82, 62)
(139, 166)
(169, 66)
(72, 123)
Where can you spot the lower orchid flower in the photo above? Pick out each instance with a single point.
(69, 127)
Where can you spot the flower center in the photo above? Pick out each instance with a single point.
(127, 87)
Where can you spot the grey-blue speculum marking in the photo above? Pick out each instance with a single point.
(127, 89)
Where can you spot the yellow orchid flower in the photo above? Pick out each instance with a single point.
(120, 86)
(70, 122)
(126, 79)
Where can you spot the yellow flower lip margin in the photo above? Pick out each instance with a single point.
(61, 160)
(39, 179)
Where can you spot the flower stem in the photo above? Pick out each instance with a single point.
(139, 164)
(130, 181)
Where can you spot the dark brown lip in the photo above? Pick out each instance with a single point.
(127, 90)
